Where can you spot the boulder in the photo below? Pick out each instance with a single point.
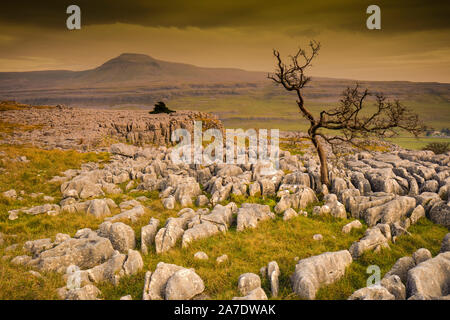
(248, 282)
(223, 258)
(373, 239)
(312, 273)
(132, 214)
(35, 247)
(418, 213)
(395, 286)
(111, 270)
(134, 262)
(289, 214)
(125, 150)
(155, 286)
(167, 237)
(372, 293)
(273, 273)
(98, 208)
(256, 294)
(148, 234)
(298, 200)
(430, 279)
(88, 292)
(10, 194)
(84, 253)
(202, 201)
(122, 236)
(355, 224)
(200, 255)
(184, 284)
(221, 216)
(401, 268)
(199, 231)
(391, 212)
(445, 243)
(440, 213)
(254, 189)
(169, 202)
(249, 214)
(421, 255)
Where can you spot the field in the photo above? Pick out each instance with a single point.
(277, 240)
(271, 108)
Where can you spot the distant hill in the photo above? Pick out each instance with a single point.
(140, 80)
(128, 69)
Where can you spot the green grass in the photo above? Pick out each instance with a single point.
(416, 143)
(425, 234)
(248, 251)
(271, 108)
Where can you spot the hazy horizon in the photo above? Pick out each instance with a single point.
(412, 44)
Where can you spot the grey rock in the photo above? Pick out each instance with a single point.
(395, 286)
(148, 234)
(98, 208)
(431, 278)
(248, 282)
(199, 231)
(156, 281)
(249, 214)
(440, 213)
(88, 292)
(256, 294)
(167, 237)
(401, 268)
(289, 214)
(421, 255)
(445, 243)
(169, 202)
(312, 273)
(21, 260)
(200, 255)
(10, 194)
(372, 293)
(418, 213)
(35, 247)
(132, 214)
(355, 224)
(184, 284)
(134, 263)
(373, 239)
(84, 253)
(223, 258)
(273, 273)
(122, 236)
(202, 200)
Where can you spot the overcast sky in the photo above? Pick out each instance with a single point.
(413, 43)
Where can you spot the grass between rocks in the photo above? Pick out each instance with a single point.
(248, 251)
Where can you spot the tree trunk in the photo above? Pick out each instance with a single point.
(323, 161)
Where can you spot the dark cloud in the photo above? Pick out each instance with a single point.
(397, 16)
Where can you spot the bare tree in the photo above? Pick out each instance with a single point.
(350, 118)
